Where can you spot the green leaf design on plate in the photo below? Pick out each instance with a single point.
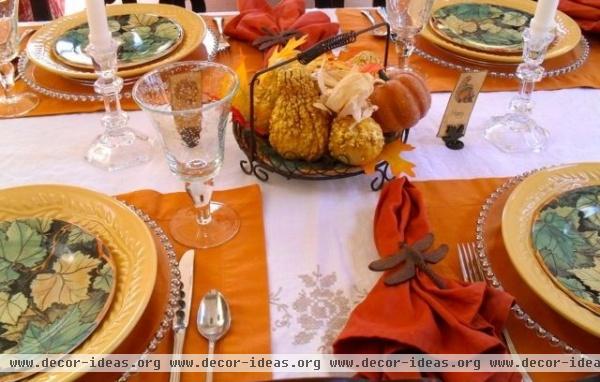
(568, 241)
(104, 279)
(41, 225)
(91, 307)
(482, 26)
(58, 337)
(556, 240)
(68, 284)
(22, 245)
(577, 287)
(11, 307)
(7, 273)
(78, 236)
(515, 19)
(589, 276)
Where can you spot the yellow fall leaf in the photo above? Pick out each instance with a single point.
(241, 101)
(290, 50)
(392, 154)
(67, 285)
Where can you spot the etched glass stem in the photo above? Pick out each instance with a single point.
(404, 49)
(201, 194)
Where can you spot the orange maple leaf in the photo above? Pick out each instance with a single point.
(392, 154)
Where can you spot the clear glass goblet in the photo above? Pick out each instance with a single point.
(11, 104)
(407, 18)
(189, 104)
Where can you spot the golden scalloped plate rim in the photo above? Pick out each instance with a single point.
(47, 35)
(564, 45)
(135, 279)
(517, 218)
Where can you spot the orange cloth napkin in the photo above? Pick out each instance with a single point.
(585, 12)
(417, 316)
(257, 16)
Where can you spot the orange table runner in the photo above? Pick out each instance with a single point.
(438, 78)
(453, 208)
(443, 79)
(237, 268)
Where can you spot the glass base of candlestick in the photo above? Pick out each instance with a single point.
(17, 104)
(121, 149)
(516, 133)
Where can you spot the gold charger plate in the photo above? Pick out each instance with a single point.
(40, 47)
(562, 45)
(126, 236)
(521, 211)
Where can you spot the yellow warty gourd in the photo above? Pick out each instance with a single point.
(298, 130)
(355, 143)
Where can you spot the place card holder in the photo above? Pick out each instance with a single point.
(459, 109)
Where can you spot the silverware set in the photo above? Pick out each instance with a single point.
(472, 272)
(213, 319)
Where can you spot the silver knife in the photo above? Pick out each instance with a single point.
(182, 316)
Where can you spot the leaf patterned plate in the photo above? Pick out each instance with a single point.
(56, 284)
(551, 230)
(142, 37)
(566, 235)
(487, 43)
(41, 45)
(486, 27)
(102, 220)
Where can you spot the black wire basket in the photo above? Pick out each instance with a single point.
(263, 159)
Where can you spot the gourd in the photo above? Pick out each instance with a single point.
(355, 143)
(402, 100)
(298, 130)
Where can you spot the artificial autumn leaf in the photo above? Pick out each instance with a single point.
(290, 50)
(391, 154)
(22, 245)
(11, 307)
(241, 101)
(67, 285)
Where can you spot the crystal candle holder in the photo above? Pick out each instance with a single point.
(118, 146)
(516, 131)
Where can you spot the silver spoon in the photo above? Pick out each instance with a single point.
(213, 321)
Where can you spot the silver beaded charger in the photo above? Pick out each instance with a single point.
(491, 277)
(174, 287)
(584, 47)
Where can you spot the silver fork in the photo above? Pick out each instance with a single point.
(472, 272)
(223, 44)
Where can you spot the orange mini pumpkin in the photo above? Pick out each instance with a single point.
(401, 101)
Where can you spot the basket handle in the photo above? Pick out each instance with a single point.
(324, 46)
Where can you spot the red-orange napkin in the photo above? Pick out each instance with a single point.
(257, 16)
(417, 316)
(585, 12)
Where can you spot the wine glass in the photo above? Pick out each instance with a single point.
(407, 18)
(189, 104)
(11, 104)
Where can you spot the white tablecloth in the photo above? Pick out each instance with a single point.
(323, 228)
(319, 234)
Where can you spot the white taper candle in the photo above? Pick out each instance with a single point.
(99, 35)
(543, 19)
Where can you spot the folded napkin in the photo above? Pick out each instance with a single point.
(585, 12)
(258, 19)
(417, 316)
